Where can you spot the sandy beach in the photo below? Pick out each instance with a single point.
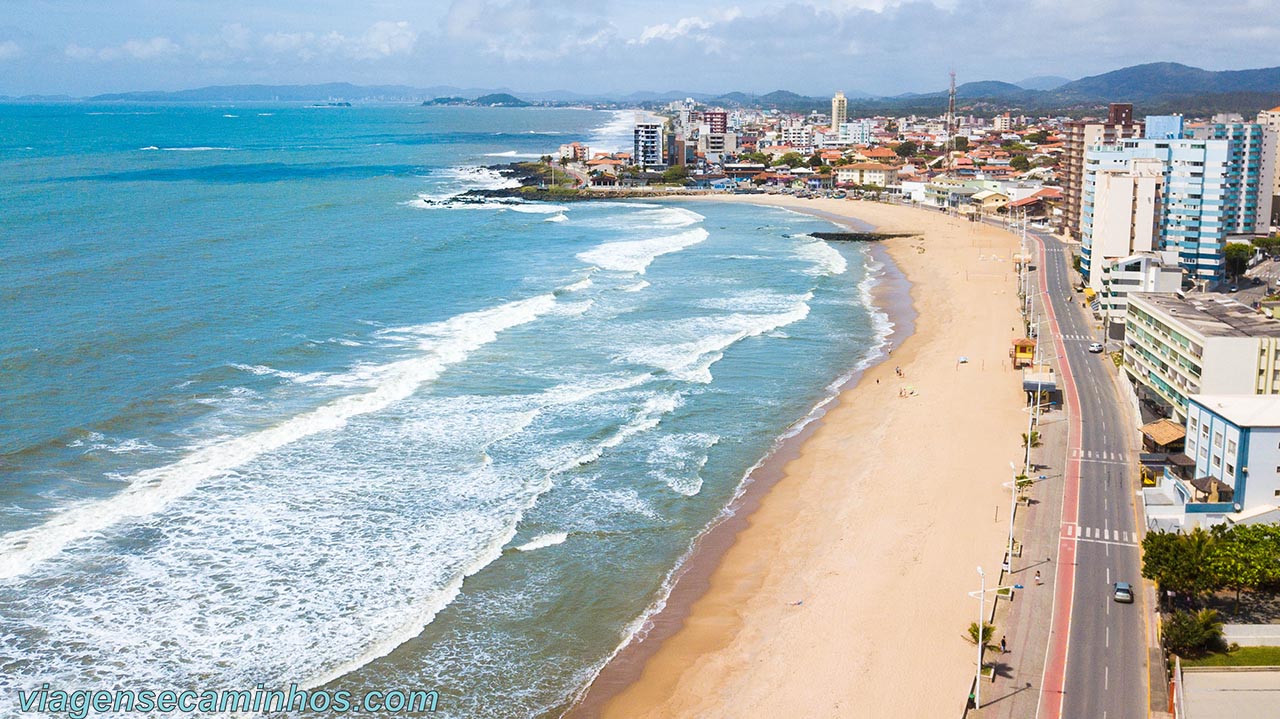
(845, 593)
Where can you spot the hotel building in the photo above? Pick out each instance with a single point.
(1175, 347)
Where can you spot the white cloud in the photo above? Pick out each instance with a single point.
(10, 50)
(148, 49)
(131, 49)
(682, 28)
(385, 39)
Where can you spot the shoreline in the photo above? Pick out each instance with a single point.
(691, 579)
(749, 622)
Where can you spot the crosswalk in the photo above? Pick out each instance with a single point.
(1099, 455)
(1097, 534)
(1082, 338)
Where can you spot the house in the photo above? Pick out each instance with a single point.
(989, 202)
(866, 174)
(1230, 472)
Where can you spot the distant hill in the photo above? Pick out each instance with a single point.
(501, 99)
(988, 88)
(1042, 82)
(1157, 79)
(1155, 87)
(268, 93)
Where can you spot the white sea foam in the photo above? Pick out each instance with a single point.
(691, 360)
(150, 491)
(537, 208)
(826, 259)
(678, 459)
(618, 133)
(556, 218)
(636, 255)
(148, 147)
(581, 284)
(543, 540)
(512, 153)
(231, 116)
(636, 287)
(200, 148)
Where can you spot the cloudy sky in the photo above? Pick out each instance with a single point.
(616, 46)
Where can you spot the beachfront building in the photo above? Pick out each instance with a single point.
(1162, 127)
(648, 145)
(1077, 137)
(988, 202)
(1251, 174)
(1210, 193)
(1231, 468)
(1120, 211)
(717, 121)
(866, 173)
(1175, 347)
(839, 110)
(1123, 276)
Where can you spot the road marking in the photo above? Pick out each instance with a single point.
(1106, 678)
(1108, 644)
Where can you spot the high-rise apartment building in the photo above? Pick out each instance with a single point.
(1077, 138)
(1250, 179)
(718, 120)
(648, 146)
(1271, 118)
(839, 110)
(1211, 192)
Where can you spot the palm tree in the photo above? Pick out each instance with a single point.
(988, 632)
(1032, 439)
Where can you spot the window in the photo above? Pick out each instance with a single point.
(1217, 440)
(1231, 470)
(1217, 461)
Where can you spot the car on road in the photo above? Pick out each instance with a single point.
(1095, 348)
(1123, 593)
(1235, 288)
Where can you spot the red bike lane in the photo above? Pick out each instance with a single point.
(1055, 669)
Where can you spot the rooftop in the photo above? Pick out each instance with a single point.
(1242, 410)
(1210, 315)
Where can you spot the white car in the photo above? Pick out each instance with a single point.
(1095, 348)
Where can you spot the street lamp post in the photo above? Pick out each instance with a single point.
(977, 677)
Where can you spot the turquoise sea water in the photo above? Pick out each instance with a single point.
(274, 409)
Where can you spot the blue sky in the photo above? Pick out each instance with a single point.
(811, 46)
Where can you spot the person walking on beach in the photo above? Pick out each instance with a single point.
(1004, 648)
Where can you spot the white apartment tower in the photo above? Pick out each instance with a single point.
(839, 110)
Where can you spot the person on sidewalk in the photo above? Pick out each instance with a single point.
(1038, 577)
(1004, 648)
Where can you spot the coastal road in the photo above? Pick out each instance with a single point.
(1100, 670)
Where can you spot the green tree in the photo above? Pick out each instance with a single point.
(1192, 634)
(1267, 244)
(1020, 163)
(790, 159)
(1236, 561)
(1032, 439)
(1238, 255)
(815, 160)
(906, 149)
(961, 142)
(757, 157)
(676, 174)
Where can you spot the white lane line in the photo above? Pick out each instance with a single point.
(1106, 678)
(1108, 641)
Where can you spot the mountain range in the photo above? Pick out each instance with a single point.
(1155, 87)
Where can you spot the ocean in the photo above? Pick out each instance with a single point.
(275, 408)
